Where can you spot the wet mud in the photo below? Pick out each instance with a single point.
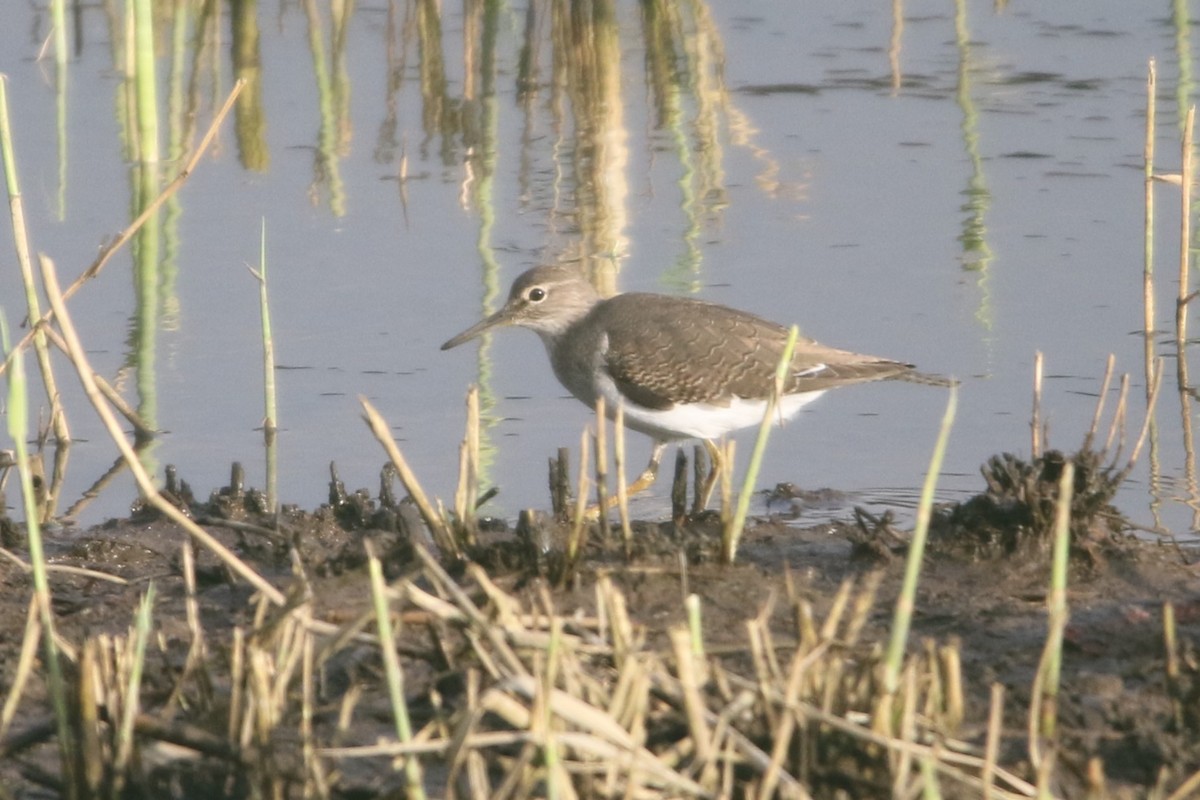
(1128, 712)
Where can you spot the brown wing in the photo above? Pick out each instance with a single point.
(728, 353)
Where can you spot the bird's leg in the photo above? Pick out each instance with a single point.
(714, 473)
(650, 473)
(643, 482)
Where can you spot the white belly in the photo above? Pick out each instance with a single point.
(704, 420)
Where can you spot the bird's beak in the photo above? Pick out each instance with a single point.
(499, 319)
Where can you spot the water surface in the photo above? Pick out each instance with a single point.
(957, 185)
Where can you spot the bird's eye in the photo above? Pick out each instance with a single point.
(537, 294)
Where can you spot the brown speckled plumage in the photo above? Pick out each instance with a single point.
(662, 353)
(730, 353)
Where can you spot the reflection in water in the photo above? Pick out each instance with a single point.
(176, 151)
(144, 188)
(588, 207)
(436, 121)
(1181, 24)
(1185, 110)
(977, 253)
(250, 121)
(481, 20)
(333, 96)
(894, 45)
(587, 74)
(1154, 480)
(573, 92)
(685, 58)
(587, 115)
(59, 17)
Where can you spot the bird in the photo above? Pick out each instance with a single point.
(684, 368)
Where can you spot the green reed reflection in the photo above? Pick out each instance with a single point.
(481, 21)
(144, 180)
(977, 252)
(250, 120)
(333, 94)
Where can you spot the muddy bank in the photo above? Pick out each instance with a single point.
(1128, 714)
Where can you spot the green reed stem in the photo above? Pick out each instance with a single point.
(395, 675)
(145, 81)
(131, 705)
(18, 429)
(270, 407)
(1044, 710)
(732, 533)
(907, 602)
(25, 262)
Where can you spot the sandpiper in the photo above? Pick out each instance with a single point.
(684, 368)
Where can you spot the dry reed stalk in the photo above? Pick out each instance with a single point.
(1149, 418)
(806, 627)
(575, 540)
(864, 601)
(902, 759)
(466, 494)
(1148, 320)
(123, 408)
(110, 249)
(1186, 176)
(197, 655)
(622, 488)
(442, 535)
(90, 732)
(63, 569)
(1187, 789)
(1109, 366)
(1116, 431)
(725, 480)
(695, 627)
(237, 677)
(991, 749)
(1171, 657)
(1035, 422)
(601, 460)
(935, 692)
(950, 661)
(782, 737)
(836, 609)
(693, 703)
(25, 261)
(85, 372)
(476, 619)
(949, 763)
(473, 459)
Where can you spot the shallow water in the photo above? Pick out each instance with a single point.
(961, 190)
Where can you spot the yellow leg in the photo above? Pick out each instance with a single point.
(643, 482)
(649, 474)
